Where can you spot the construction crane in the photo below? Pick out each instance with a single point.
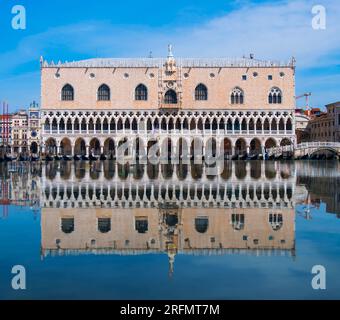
(307, 96)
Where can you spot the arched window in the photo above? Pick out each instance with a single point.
(104, 225)
(276, 221)
(275, 96)
(141, 93)
(237, 96)
(237, 221)
(201, 224)
(69, 126)
(104, 93)
(201, 92)
(170, 97)
(141, 224)
(67, 225)
(47, 125)
(67, 93)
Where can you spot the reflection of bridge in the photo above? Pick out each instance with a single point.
(308, 150)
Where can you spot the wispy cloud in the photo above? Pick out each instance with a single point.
(270, 31)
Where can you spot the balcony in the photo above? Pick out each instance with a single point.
(169, 106)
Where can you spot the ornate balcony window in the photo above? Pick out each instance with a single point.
(237, 96)
(275, 96)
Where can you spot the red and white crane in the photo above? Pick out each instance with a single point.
(307, 96)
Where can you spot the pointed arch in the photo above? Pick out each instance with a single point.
(201, 92)
(83, 126)
(62, 125)
(237, 96)
(76, 125)
(67, 93)
(170, 97)
(141, 93)
(275, 96)
(104, 93)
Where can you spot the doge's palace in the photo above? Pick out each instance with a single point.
(237, 106)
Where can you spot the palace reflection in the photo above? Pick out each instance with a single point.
(106, 208)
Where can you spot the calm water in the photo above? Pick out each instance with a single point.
(102, 231)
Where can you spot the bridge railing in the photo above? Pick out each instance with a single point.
(302, 146)
(279, 150)
(317, 144)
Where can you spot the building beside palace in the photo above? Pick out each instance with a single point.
(5, 132)
(34, 128)
(326, 126)
(238, 105)
(19, 132)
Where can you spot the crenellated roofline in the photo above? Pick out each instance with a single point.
(160, 62)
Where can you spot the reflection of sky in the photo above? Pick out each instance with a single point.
(146, 276)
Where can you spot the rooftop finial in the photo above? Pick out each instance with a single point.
(170, 54)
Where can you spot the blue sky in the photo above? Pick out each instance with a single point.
(74, 30)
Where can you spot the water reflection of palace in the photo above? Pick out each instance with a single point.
(174, 209)
(169, 230)
(240, 184)
(106, 208)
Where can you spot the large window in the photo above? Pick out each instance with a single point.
(141, 93)
(275, 96)
(141, 224)
(67, 93)
(104, 225)
(201, 92)
(170, 97)
(237, 96)
(67, 225)
(104, 93)
(201, 224)
(276, 221)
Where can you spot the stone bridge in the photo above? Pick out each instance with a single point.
(317, 149)
(308, 150)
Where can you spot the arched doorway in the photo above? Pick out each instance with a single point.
(255, 147)
(226, 149)
(240, 147)
(182, 148)
(211, 148)
(51, 147)
(34, 148)
(95, 149)
(196, 150)
(123, 148)
(80, 147)
(66, 147)
(109, 148)
(270, 143)
(285, 142)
